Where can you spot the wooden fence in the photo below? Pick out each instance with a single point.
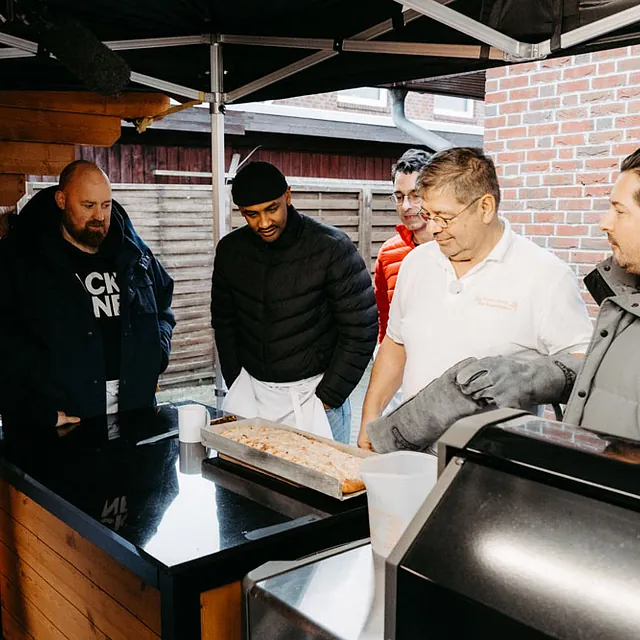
(176, 222)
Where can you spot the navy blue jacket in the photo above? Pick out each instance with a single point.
(294, 308)
(51, 350)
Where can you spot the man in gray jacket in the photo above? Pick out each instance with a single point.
(606, 394)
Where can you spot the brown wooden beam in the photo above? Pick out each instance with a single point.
(128, 105)
(33, 125)
(35, 157)
(11, 188)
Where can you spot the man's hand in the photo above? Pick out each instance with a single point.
(363, 439)
(66, 423)
(325, 406)
(502, 381)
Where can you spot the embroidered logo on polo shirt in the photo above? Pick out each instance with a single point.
(497, 303)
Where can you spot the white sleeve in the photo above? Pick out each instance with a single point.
(394, 326)
(565, 322)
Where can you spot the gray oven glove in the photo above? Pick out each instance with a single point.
(520, 385)
(420, 421)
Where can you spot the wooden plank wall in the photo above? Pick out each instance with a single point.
(176, 222)
(126, 162)
(55, 584)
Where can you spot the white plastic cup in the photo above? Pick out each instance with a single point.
(191, 418)
(397, 485)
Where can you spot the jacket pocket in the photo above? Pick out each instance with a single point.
(143, 298)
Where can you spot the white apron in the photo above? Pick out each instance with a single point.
(292, 403)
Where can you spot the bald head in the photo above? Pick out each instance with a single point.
(84, 196)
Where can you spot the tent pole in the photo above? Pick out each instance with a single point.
(219, 194)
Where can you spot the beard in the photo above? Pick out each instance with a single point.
(92, 234)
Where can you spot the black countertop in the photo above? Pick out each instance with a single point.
(160, 507)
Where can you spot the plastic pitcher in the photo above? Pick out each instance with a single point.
(397, 485)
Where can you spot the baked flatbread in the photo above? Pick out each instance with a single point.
(302, 450)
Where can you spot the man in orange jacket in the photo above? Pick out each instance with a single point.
(411, 232)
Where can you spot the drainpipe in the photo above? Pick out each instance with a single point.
(426, 137)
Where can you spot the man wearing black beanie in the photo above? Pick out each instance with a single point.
(293, 311)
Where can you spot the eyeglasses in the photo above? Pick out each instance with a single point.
(443, 223)
(398, 198)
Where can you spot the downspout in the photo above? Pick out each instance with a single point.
(426, 137)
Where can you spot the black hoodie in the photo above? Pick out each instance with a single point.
(51, 350)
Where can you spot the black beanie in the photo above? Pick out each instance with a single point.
(257, 182)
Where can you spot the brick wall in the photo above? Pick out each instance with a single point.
(557, 130)
(418, 106)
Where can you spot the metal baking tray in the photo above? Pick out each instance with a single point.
(268, 463)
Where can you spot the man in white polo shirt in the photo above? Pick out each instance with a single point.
(478, 306)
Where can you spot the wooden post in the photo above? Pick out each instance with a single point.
(365, 223)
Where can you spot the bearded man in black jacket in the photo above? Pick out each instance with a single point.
(85, 308)
(293, 311)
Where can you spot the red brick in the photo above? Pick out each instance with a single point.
(497, 72)
(524, 94)
(572, 140)
(606, 136)
(563, 255)
(546, 77)
(587, 257)
(566, 165)
(510, 156)
(544, 104)
(571, 114)
(534, 193)
(524, 143)
(608, 54)
(564, 243)
(523, 67)
(609, 82)
(626, 93)
(628, 64)
(583, 71)
(571, 230)
(574, 86)
(624, 149)
(509, 194)
(513, 107)
(541, 130)
(519, 217)
(576, 126)
(592, 218)
(494, 146)
(491, 85)
(535, 167)
(512, 132)
(574, 205)
(632, 107)
(574, 217)
(512, 182)
(495, 121)
(564, 154)
(514, 119)
(541, 154)
(632, 134)
(499, 96)
(628, 122)
(539, 229)
(598, 96)
(553, 63)
(592, 178)
(606, 68)
(566, 192)
(601, 163)
(558, 178)
(532, 180)
(514, 82)
(609, 109)
(599, 244)
(597, 191)
(556, 216)
(634, 79)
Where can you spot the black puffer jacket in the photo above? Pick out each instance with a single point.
(51, 350)
(295, 308)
